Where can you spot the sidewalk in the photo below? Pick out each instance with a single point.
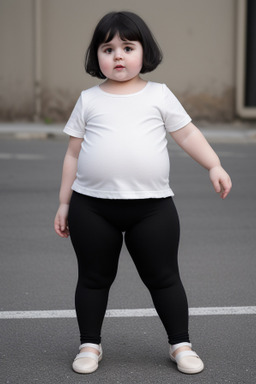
(219, 132)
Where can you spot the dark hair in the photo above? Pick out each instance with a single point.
(128, 26)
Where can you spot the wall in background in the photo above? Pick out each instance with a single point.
(198, 39)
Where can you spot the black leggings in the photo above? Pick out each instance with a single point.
(151, 229)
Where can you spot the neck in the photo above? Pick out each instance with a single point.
(123, 87)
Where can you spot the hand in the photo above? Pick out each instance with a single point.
(220, 180)
(61, 221)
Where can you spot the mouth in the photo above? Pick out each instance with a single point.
(119, 67)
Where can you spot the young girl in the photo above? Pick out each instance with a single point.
(116, 179)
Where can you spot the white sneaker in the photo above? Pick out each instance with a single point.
(187, 361)
(87, 362)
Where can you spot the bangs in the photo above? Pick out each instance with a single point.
(119, 24)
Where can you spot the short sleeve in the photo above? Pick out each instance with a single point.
(174, 115)
(76, 123)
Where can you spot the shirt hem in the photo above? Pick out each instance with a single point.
(73, 133)
(180, 125)
(126, 195)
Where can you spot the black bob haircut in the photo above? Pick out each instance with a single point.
(128, 26)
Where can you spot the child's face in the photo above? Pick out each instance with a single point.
(120, 60)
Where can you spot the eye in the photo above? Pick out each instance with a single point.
(108, 50)
(128, 49)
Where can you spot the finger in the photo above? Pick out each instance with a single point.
(62, 234)
(225, 193)
(217, 186)
(63, 225)
(225, 188)
(58, 229)
(65, 232)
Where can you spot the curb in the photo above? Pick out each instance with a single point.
(214, 133)
(230, 136)
(31, 131)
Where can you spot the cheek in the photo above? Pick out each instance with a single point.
(138, 63)
(105, 68)
(141, 62)
(103, 63)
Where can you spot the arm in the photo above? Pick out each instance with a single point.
(68, 177)
(192, 141)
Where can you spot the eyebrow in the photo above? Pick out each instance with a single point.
(109, 44)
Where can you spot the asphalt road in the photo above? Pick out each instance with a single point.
(38, 272)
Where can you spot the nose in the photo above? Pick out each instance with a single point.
(118, 54)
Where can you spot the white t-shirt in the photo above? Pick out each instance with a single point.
(124, 153)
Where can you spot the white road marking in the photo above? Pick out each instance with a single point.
(119, 313)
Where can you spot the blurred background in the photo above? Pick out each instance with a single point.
(209, 63)
(209, 55)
